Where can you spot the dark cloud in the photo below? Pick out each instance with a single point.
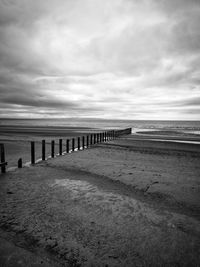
(38, 102)
(186, 35)
(178, 7)
(190, 102)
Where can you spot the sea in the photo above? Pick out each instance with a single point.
(191, 127)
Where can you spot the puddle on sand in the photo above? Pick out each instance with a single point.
(115, 203)
(120, 206)
(75, 185)
(91, 192)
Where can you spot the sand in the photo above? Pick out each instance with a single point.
(128, 202)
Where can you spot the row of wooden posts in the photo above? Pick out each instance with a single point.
(87, 141)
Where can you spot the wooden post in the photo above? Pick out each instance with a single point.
(60, 147)
(32, 152)
(52, 148)
(20, 163)
(79, 143)
(91, 136)
(43, 149)
(67, 146)
(3, 163)
(87, 144)
(83, 142)
(73, 144)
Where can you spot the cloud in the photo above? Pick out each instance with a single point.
(190, 102)
(104, 58)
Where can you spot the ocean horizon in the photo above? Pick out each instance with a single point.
(192, 127)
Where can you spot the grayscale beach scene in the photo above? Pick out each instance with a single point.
(99, 133)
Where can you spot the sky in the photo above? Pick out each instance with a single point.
(112, 59)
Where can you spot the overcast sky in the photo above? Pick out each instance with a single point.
(120, 59)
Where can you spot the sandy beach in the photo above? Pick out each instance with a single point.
(127, 202)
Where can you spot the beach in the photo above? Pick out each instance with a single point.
(17, 134)
(126, 202)
(17, 140)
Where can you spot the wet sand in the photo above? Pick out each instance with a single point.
(127, 202)
(17, 140)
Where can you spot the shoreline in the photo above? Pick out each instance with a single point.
(18, 146)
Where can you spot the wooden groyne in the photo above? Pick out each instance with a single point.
(3, 162)
(71, 145)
